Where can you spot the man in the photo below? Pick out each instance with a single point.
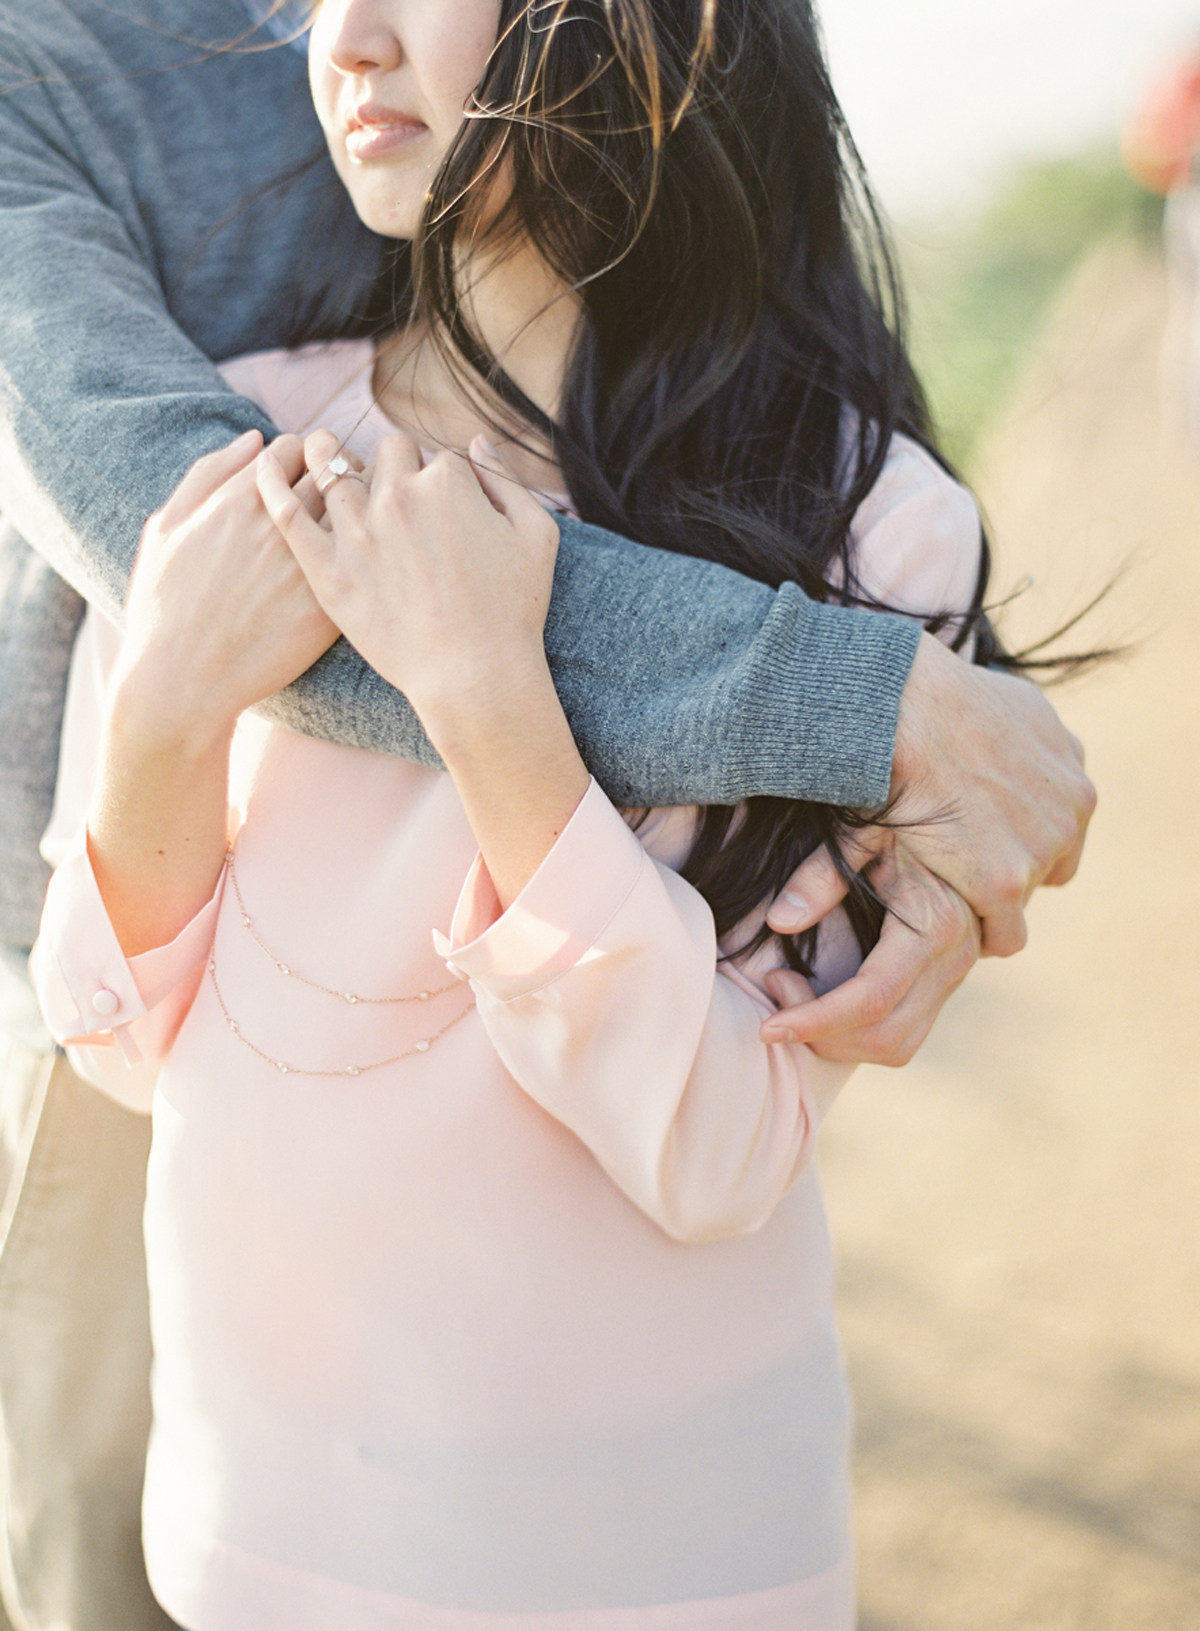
(148, 225)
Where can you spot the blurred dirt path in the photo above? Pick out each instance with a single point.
(1018, 1214)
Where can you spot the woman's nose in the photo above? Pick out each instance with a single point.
(361, 40)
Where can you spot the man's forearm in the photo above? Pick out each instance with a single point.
(39, 615)
(161, 203)
(736, 689)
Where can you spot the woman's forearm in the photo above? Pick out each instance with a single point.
(158, 823)
(195, 657)
(440, 573)
(517, 770)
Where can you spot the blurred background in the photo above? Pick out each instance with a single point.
(1018, 1213)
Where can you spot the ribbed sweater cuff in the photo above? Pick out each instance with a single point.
(821, 698)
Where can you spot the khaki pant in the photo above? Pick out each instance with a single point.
(74, 1353)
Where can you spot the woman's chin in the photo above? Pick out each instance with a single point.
(389, 217)
(385, 198)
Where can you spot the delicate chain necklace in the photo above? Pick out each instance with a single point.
(326, 990)
(349, 997)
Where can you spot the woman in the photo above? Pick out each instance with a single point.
(491, 1285)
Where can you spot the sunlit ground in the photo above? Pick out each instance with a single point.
(1018, 1214)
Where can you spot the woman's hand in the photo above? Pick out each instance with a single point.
(218, 615)
(441, 577)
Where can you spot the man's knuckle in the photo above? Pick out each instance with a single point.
(888, 1041)
(1044, 850)
(903, 1052)
(1059, 838)
(948, 924)
(946, 936)
(878, 1002)
(885, 1045)
(963, 956)
(1066, 843)
(1011, 880)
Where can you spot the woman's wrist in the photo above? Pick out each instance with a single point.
(519, 774)
(158, 711)
(475, 707)
(158, 819)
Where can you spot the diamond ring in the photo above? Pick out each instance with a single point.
(337, 468)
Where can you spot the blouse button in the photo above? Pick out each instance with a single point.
(106, 1002)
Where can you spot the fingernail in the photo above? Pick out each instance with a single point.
(773, 1035)
(241, 440)
(489, 449)
(265, 459)
(788, 912)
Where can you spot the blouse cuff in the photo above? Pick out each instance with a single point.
(559, 915)
(86, 984)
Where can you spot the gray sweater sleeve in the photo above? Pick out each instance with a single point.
(684, 682)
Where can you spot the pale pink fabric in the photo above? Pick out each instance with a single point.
(532, 1331)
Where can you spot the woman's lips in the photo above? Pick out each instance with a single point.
(374, 132)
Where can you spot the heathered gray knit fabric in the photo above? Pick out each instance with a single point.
(139, 237)
(39, 615)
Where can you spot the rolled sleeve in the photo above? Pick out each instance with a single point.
(92, 996)
(601, 991)
(83, 979)
(560, 914)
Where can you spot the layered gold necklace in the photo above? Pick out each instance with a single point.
(351, 999)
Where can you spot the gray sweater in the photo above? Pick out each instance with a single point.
(148, 225)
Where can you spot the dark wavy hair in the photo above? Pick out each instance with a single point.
(739, 371)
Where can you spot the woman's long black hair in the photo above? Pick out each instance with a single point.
(739, 372)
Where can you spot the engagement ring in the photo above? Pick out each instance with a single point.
(334, 471)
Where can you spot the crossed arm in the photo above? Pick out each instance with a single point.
(728, 690)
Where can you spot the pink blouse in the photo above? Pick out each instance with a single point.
(530, 1329)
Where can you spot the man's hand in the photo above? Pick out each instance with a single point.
(989, 788)
(991, 800)
(928, 946)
